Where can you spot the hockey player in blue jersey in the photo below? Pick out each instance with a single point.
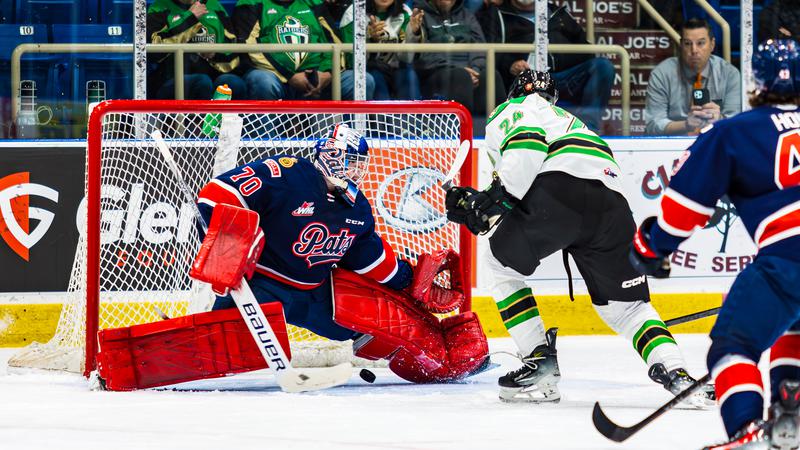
(314, 218)
(754, 159)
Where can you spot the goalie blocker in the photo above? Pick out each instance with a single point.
(393, 325)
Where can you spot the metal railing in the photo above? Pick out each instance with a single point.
(178, 50)
(723, 24)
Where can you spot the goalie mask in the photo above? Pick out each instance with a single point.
(343, 158)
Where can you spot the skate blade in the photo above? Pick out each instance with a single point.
(531, 394)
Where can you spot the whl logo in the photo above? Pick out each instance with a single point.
(306, 209)
(15, 212)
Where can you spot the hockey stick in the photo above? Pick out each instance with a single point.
(289, 379)
(691, 317)
(461, 156)
(618, 433)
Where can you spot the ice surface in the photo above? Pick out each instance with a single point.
(57, 411)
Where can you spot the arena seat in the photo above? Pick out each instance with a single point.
(112, 70)
(34, 66)
(56, 11)
(6, 11)
(116, 11)
(39, 68)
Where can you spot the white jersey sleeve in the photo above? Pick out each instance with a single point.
(527, 136)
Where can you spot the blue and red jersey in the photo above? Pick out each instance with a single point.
(754, 158)
(307, 229)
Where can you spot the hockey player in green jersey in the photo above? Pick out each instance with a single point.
(192, 21)
(290, 75)
(556, 187)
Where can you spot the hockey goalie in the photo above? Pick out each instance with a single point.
(304, 236)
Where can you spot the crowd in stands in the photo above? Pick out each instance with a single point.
(684, 93)
(584, 80)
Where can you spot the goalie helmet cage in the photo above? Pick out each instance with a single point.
(132, 260)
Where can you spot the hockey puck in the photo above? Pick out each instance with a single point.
(367, 375)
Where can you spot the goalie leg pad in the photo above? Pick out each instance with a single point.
(230, 249)
(194, 347)
(421, 348)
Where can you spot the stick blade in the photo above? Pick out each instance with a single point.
(608, 428)
(461, 156)
(296, 380)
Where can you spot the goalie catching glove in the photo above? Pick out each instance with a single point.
(230, 249)
(432, 296)
(479, 210)
(643, 258)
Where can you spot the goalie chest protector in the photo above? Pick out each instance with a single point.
(307, 229)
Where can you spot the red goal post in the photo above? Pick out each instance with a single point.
(447, 123)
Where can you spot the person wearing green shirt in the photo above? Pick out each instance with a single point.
(290, 75)
(388, 20)
(192, 21)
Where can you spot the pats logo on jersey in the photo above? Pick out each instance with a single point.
(292, 31)
(306, 209)
(319, 246)
(16, 212)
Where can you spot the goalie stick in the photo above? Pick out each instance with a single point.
(619, 433)
(289, 378)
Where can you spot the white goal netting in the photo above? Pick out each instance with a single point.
(147, 238)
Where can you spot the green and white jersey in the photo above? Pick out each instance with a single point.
(528, 135)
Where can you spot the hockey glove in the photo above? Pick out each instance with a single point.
(487, 207)
(642, 256)
(455, 203)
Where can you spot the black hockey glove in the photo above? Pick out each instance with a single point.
(455, 203)
(642, 256)
(487, 207)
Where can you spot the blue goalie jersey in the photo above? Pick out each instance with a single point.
(754, 158)
(307, 229)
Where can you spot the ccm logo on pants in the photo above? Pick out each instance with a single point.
(634, 282)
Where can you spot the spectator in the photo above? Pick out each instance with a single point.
(779, 20)
(457, 76)
(290, 75)
(583, 80)
(670, 108)
(182, 21)
(392, 72)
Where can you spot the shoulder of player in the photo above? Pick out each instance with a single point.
(743, 121)
(363, 208)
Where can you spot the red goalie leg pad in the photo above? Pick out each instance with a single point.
(467, 349)
(467, 346)
(230, 249)
(206, 345)
(432, 296)
(421, 348)
(390, 317)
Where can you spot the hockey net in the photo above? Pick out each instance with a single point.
(137, 233)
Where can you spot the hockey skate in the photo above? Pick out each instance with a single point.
(537, 380)
(780, 432)
(677, 380)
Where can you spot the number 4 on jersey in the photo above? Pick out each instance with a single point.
(787, 160)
